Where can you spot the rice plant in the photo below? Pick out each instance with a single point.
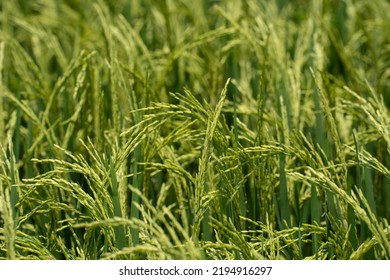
(194, 129)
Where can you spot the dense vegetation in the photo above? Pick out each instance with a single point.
(194, 129)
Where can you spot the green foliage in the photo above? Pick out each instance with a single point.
(194, 129)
